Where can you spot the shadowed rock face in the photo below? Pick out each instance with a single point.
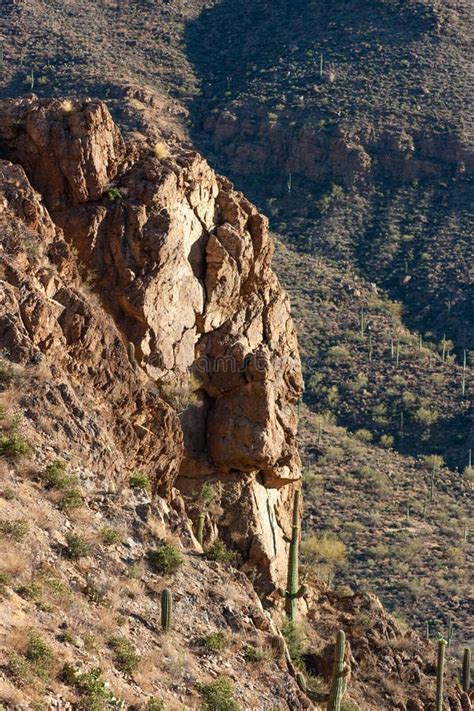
(182, 265)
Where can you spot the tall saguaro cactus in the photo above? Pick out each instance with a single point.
(339, 674)
(166, 605)
(293, 590)
(466, 670)
(440, 674)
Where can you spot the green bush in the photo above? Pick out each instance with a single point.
(295, 642)
(140, 481)
(95, 696)
(216, 641)
(13, 446)
(165, 560)
(110, 536)
(126, 657)
(39, 654)
(55, 476)
(77, 547)
(14, 530)
(364, 435)
(386, 441)
(154, 704)
(219, 695)
(254, 654)
(338, 354)
(71, 500)
(220, 552)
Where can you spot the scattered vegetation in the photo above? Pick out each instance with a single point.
(219, 695)
(126, 657)
(220, 552)
(165, 560)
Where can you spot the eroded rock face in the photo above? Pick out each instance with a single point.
(87, 393)
(182, 263)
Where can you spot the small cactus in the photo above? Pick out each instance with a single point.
(293, 590)
(466, 670)
(131, 354)
(339, 683)
(301, 681)
(166, 607)
(440, 674)
(200, 528)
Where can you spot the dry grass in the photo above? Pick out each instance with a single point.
(161, 151)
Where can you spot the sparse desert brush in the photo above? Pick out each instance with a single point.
(181, 391)
(161, 150)
(77, 546)
(325, 553)
(14, 530)
(127, 658)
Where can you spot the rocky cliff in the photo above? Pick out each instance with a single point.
(143, 331)
(178, 264)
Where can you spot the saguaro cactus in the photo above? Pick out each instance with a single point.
(166, 606)
(440, 674)
(200, 527)
(293, 590)
(466, 670)
(339, 682)
(131, 354)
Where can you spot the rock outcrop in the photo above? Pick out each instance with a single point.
(181, 264)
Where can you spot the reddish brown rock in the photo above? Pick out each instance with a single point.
(182, 263)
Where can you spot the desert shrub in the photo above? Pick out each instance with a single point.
(94, 692)
(114, 194)
(140, 481)
(360, 382)
(20, 669)
(295, 641)
(77, 547)
(364, 435)
(220, 552)
(433, 462)
(55, 476)
(216, 641)
(379, 415)
(161, 150)
(70, 500)
(15, 530)
(180, 393)
(425, 417)
(219, 695)
(38, 651)
(254, 654)
(154, 704)
(32, 591)
(386, 441)
(5, 583)
(372, 479)
(165, 560)
(325, 553)
(13, 446)
(126, 657)
(110, 536)
(338, 354)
